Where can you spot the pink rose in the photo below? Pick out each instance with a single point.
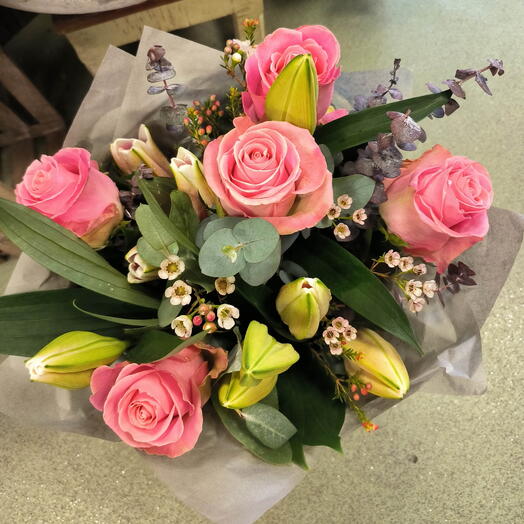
(272, 170)
(157, 407)
(438, 205)
(69, 189)
(332, 115)
(276, 51)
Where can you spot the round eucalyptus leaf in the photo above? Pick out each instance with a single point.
(160, 76)
(259, 238)
(220, 223)
(259, 273)
(155, 90)
(218, 256)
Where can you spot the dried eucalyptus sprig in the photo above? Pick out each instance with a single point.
(162, 71)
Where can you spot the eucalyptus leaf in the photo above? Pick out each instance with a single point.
(199, 238)
(219, 257)
(268, 425)
(60, 251)
(354, 285)
(237, 428)
(220, 223)
(359, 187)
(182, 213)
(259, 238)
(362, 126)
(258, 274)
(149, 253)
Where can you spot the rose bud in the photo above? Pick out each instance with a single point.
(233, 395)
(189, 177)
(139, 270)
(378, 364)
(302, 304)
(69, 360)
(130, 153)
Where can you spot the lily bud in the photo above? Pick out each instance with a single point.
(130, 153)
(69, 360)
(189, 177)
(233, 395)
(139, 270)
(294, 93)
(302, 304)
(262, 356)
(378, 364)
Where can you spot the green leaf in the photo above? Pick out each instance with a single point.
(219, 223)
(297, 449)
(358, 187)
(154, 345)
(141, 322)
(237, 427)
(311, 408)
(268, 425)
(355, 285)
(62, 252)
(258, 274)
(182, 213)
(259, 238)
(263, 299)
(193, 275)
(159, 237)
(294, 93)
(179, 235)
(167, 312)
(28, 321)
(363, 126)
(149, 253)
(330, 162)
(217, 255)
(160, 188)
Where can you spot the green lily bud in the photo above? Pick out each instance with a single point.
(69, 360)
(262, 356)
(294, 94)
(189, 177)
(378, 364)
(130, 153)
(302, 304)
(139, 270)
(233, 395)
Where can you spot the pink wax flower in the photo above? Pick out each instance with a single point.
(157, 407)
(438, 205)
(271, 170)
(69, 189)
(276, 51)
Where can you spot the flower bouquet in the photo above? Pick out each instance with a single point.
(255, 270)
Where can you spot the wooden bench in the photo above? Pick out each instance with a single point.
(91, 34)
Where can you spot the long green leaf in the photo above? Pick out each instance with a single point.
(62, 252)
(311, 408)
(154, 345)
(354, 284)
(28, 321)
(237, 427)
(141, 322)
(179, 235)
(363, 126)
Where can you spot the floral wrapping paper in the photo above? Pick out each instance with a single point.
(219, 478)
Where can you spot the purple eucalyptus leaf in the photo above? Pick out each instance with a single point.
(465, 74)
(433, 88)
(482, 81)
(160, 76)
(439, 112)
(451, 106)
(497, 66)
(155, 90)
(455, 88)
(395, 93)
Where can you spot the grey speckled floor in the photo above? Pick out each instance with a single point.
(435, 459)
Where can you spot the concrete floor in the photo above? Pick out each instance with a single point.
(436, 458)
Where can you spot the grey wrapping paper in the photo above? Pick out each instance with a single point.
(219, 478)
